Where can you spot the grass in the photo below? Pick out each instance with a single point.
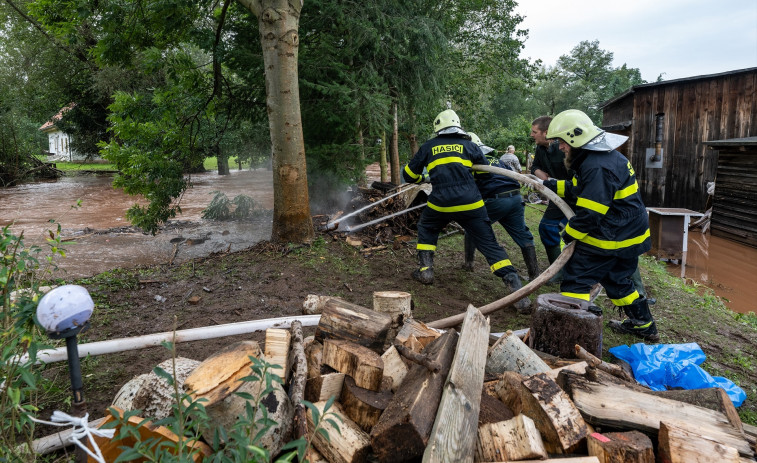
(88, 166)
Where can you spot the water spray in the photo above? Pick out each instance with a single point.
(349, 229)
(337, 224)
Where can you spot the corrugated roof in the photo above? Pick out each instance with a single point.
(674, 81)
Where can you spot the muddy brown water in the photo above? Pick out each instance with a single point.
(729, 268)
(99, 237)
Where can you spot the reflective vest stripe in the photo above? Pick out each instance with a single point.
(582, 296)
(498, 265)
(460, 208)
(628, 300)
(627, 191)
(592, 205)
(449, 160)
(425, 247)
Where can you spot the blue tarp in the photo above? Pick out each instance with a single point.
(674, 366)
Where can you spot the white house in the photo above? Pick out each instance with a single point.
(59, 142)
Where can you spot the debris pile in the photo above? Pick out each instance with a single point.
(405, 391)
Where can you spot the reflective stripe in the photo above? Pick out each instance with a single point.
(423, 269)
(603, 244)
(449, 160)
(460, 208)
(627, 191)
(425, 247)
(641, 327)
(575, 181)
(582, 296)
(410, 172)
(574, 233)
(628, 300)
(561, 188)
(592, 205)
(500, 264)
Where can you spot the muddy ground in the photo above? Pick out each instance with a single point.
(272, 281)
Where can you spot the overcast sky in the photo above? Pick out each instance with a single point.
(680, 38)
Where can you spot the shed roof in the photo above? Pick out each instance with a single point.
(51, 123)
(747, 141)
(674, 81)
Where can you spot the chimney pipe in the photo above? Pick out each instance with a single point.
(659, 119)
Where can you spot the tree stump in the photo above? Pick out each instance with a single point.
(560, 322)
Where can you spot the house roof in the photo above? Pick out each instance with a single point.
(674, 81)
(51, 123)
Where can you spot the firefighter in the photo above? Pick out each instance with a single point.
(504, 204)
(455, 197)
(611, 226)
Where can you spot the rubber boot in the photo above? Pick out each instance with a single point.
(512, 281)
(470, 253)
(425, 274)
(636, 278)
(553, 252)
(529, 257)
(639, 323)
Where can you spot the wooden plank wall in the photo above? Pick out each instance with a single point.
(695, 111)
(734, 210)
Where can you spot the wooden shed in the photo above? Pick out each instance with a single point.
(688, 112)
(734, 208)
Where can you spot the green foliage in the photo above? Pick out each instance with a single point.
(19, 276)
(221, 208)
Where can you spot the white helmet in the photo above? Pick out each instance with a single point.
(64, 308)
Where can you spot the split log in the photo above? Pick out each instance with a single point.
(299, 379)
(577, 368)
(151, 393)
(712, 398)
(600, 364)
(512, 440)
(420, 359)
(405, 426)
(362, 364)
(492, 409)
(541, 399)
(681, 444)
(220, 374)
(509, 353)
(224, 413)
(314, 357)
(453, 437)
(621, 447)
(111, 449)
(394, 368)
(509, 390)
(364, 407)
(624, 408)
(415, 335)
(396, 304)
(348, 444)
(323, 387)
(350, 322)
(276, 351)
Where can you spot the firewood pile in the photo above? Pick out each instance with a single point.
(406, 392)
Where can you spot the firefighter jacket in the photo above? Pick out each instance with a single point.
(550, 160)
(491, 184)
(610, 216)
(448, 159)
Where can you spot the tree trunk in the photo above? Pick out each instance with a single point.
(223, 162)
(279, 22)
(382, 158)
(394, 147)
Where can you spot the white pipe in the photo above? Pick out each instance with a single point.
(381, 219)
(152, 340)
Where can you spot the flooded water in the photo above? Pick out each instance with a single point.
(100, 236)
(729, 268)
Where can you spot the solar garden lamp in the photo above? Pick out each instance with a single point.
(64, 312)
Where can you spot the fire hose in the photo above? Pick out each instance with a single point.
(537, 282)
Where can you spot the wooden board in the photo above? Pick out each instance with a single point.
(276, 351)
(453, 437)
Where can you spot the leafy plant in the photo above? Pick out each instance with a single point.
(19, 275)
(221, 208)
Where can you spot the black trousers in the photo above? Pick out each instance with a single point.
(584, 269)
(476, 225)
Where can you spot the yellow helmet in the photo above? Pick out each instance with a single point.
(573, 127)
(445, 119)
(474, 138)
